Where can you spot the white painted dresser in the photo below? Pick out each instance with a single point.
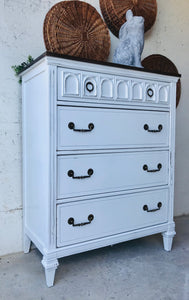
(98, 156)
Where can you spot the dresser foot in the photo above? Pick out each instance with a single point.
(27, 244)
(50, 266)
(168, 239)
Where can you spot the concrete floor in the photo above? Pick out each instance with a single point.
(135, 270)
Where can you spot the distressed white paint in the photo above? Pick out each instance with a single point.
(21, 24)
(130, 168)
(108, 128)
(118, 217)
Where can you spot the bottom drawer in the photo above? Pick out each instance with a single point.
(92, 219)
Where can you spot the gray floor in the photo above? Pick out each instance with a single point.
(134, 270)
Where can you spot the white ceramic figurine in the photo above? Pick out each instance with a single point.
(131, 36)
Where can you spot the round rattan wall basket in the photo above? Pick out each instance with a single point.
(160, 63)
(114, 12)
(75, 28)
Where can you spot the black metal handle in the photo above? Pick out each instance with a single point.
(159, 166)
(145, 207)
(150, 93)
(71, 221)
(71, 174)
(89, 86)
(71, 126)
(160, 127)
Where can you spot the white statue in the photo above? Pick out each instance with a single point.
(131, 36)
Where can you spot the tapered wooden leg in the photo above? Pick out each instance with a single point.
(50, 266)
(168, 239)
(27, 244)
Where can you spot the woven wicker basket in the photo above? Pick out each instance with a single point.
(75, 28)
(114, 12)
(160, 63)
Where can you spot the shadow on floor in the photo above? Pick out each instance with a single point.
(134, 270)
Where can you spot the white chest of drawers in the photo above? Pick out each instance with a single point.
(98, 156)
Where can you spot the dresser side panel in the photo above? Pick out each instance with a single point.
(36, 155)
(172, 150)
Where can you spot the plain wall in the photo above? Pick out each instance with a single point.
(21, 34)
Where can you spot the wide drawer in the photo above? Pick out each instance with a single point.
(94, 128)
(79, 175)
(77, 85)
(87, 220)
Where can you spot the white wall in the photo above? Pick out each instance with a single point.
(21, 24)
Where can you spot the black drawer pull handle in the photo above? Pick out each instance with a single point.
(159, 205)
(89, 86)
(71, 221)
(160, 127)
(159, 166)
(150, 93)
(71, 174)
(71, 126)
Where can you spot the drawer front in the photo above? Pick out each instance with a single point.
(79, 84)
(84, 128)
(79, 175)
(110, 215)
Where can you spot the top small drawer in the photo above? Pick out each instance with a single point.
(97, 128)
(86, 86)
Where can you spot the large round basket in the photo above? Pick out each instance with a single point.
(114, 12)
(160, 63)
(75, 28)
